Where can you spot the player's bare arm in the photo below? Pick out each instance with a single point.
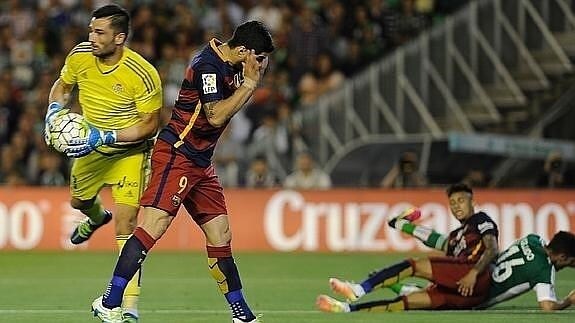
(490, 253)
(550, 306)
(467, 283)
(60, 92)
(218, 112)
(144, 129)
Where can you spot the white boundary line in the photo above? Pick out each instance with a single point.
(160, 311)
(306, 312)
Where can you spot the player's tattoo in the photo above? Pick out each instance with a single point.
(210, 110)
(490, 253)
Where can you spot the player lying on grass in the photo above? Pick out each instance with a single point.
(460, 278)
(527, 264)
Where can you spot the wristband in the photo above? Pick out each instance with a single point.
(56, 106)
(53, 108)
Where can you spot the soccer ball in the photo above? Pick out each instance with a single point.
(66, 127)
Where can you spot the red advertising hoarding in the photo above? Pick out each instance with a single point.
(281, 220)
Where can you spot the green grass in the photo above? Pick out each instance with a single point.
(59, 287)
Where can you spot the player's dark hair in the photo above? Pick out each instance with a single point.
(459, 187)
(119, 17)
(563, 242)
(253, 35)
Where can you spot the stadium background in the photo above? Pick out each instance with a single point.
(495, 109)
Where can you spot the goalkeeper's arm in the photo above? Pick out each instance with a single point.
(428, 236)
(58, 99)
(60, 93)
(144, 129)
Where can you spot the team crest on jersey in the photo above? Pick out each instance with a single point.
(118, 88)
(176, 200)
(209, 83)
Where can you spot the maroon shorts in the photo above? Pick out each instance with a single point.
(446, 271)
(176, 180)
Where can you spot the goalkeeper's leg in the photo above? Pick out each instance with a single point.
(126, 219)
(96, 217)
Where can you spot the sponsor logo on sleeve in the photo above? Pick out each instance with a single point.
(485, 226)
(209, 83)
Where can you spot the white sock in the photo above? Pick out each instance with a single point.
(345, 307)
(357, 290)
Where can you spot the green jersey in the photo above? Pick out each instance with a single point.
(521, 267)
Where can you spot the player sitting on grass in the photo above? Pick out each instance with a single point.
(530, 263)
(527, 264)
(460, 279)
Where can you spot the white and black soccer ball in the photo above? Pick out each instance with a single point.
(66, 127)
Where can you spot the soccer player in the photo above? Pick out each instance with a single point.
(218, 82)
(529, 263)
(120, 95)
(460, 279)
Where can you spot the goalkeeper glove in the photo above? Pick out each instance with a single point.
(80, 147)
(54, 110)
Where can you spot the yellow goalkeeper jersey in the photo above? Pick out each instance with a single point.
(112, 96)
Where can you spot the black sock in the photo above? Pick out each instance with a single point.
(225, 272)
(132, 256)
(387, 276)
(391, 305)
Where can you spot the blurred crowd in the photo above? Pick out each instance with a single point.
(319, 44)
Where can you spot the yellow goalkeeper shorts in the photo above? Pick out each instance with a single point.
(126, 173)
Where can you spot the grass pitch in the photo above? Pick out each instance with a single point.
(59, 287)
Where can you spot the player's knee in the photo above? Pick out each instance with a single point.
(217, 231)
(126, 218)
(421, 267)
(125, 225)
(156, 225)
(81, 204)
(226, 237)
(219, 236)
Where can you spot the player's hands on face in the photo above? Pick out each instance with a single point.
(252, 68)
(81, 147)
(467, 283)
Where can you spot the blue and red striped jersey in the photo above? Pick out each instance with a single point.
(209, 77)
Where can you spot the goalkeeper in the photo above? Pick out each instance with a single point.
(120, 95)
